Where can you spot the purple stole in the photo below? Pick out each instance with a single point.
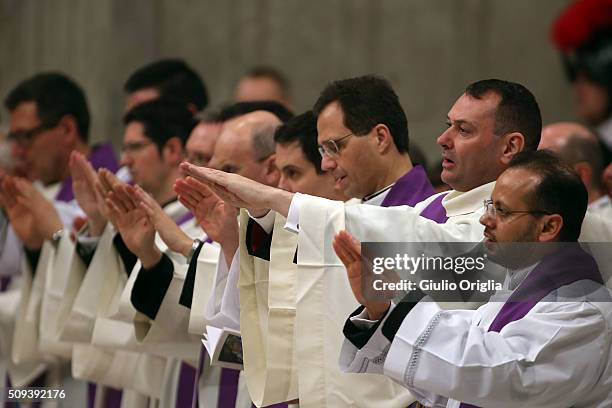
(101, 156)
(412, 188)
(566, 266)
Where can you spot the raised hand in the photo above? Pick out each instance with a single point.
(20, 217)
(217, 217)
(133, 224)
(169, 232)
(104, 185)
(46, 217)
(348, 250)
(240, 191)
(84, 179)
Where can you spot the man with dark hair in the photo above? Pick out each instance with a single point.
(168, 79)
(537, 342)
(263, 83)
(579, 147)
(299, 161)
(49, 121)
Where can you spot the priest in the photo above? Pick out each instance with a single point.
(537, 343)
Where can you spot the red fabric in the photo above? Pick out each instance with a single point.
(575, 25)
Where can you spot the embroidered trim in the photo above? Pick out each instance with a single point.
(412, 364)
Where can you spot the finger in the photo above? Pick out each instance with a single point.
(186, 190)
(104, 183)
(202, 173)
(188, 202)
(198, 186)
(130, 193)
(148, 210)
(342, 247)
(114, 211)
(113, 198)
(124, 197)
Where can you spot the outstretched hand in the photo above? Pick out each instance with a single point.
(169, 232)
(133, 224)
(217, 218)
(348, 250)
(240, 191)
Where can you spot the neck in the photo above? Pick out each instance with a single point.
(164, 192)
(595, 194)
(393, 169)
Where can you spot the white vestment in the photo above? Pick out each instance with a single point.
(557, 355)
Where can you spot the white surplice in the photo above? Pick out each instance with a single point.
(558, 355)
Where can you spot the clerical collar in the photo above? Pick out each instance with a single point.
(376, 194)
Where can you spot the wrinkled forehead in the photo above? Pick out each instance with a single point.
(475, 110)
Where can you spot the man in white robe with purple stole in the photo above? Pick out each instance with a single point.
(49, 120)
(542, 341)
(164, 294)
(491, 122)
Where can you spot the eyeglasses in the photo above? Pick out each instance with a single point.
(330, 148)
(134, 147)
(492, 211)
(24, 137)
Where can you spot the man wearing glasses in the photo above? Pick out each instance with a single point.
(538, 342)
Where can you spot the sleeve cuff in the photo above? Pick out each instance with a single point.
(266, 222)
(293, 217)
(151, 286)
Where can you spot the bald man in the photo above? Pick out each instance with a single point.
(578, 146)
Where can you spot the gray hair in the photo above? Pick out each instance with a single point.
(263, 139)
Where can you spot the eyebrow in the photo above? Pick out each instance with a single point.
(460, 122)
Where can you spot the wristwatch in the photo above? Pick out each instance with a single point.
(57, 236)
(194, 247)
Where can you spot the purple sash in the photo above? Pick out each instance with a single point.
(101, 156)
(564, 267)
(5, 281)
(412, 188)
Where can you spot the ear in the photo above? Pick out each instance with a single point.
(69, 130)
(271, 172)
(383, 138)
(173, 152)
(585, 172)
(514, 143)
(550, 227)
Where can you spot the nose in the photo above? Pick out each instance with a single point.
(284, 184)
(126, 159)
(445, 139)
(17, 151)
(487, 220)
(328, 163)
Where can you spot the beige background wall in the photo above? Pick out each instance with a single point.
(429, 49)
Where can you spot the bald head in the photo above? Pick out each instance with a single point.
(246, 146)
(579, 147)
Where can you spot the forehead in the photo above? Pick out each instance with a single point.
(475, 110)
(24, 116)
(291, 154)
(514, 185)
(204, 136)
(233, 143)
(134, 132)
(330, 123)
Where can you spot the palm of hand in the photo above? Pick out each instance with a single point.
(216, 217)
(86, 197)
(23, 223)
(136, 230)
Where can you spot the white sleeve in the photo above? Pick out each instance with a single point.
(223, 307)
(266, 222)
(293, 216)
(531, 359)
(405, 224)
